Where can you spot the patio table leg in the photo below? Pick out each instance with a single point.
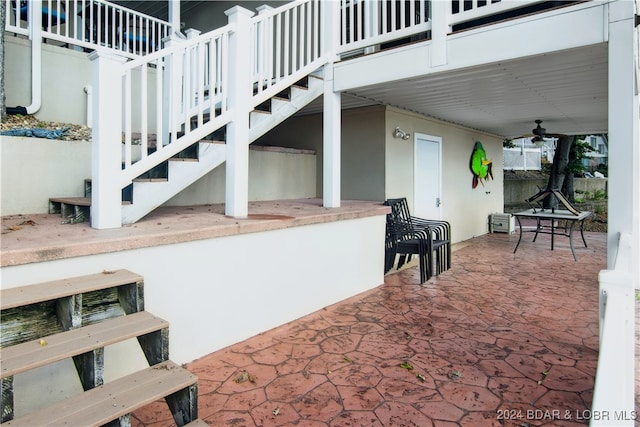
(571, 240)
(582, 233)
(520, 236)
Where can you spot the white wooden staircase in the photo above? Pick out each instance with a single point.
(155, 187)
(77, 318)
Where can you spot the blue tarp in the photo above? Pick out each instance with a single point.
(35, 132)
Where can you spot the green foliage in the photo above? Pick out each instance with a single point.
(599, 195)
(508, 143)
(579, 150)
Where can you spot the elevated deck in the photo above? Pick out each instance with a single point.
(44, 237)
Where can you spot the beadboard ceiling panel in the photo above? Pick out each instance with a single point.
(567, 90)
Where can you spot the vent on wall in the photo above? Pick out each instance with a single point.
(501, 223)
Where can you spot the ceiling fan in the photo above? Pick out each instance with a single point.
(539, 134)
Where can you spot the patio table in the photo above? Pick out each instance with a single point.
(554, 215)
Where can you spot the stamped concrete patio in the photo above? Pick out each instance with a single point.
(500, 339)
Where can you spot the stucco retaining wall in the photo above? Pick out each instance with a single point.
(516, 191)
(58, 169)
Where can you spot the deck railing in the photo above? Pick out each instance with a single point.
(468, 10)
(90, 24)
(366, 24)
(613, 397)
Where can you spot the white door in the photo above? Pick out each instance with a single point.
(426, 185)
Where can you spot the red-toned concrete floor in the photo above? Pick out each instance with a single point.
(499, 339)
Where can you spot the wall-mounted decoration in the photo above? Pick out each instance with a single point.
(479, 165)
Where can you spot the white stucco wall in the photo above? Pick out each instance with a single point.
(465, 208)
(59, 168)
(377, 166)
(54, 169)
(273, 175)
(219, 291)
(65, 74)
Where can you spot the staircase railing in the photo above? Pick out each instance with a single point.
(184, 85)
(286, 46)
(184, 92)
(180, 92)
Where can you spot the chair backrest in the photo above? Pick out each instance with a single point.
(399, 221)
(543, 194)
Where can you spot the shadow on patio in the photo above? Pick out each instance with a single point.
(500, 339)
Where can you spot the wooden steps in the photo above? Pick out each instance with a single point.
(72, 209)
(118, 398)
(53, 348)
(16, 297)
(76, 319)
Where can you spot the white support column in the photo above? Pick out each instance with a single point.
(331, 145)
(240, 92)
(624, 125)
(174, 14)
(331, 128)
(106, 151)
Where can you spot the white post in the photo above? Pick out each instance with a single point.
(331, 111)
(171, 88)
(263, 47)
(240, 92)
(106, 151)
(624, 124)
(440, 16)
(174, 15)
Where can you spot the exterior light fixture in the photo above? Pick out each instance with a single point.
(399, 133)
(538, 141)
(539, 133)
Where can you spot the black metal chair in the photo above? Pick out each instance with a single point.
(438, 231)
(402, 239)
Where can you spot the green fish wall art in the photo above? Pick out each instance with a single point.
(479, 165)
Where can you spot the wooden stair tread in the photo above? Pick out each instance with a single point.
(78, 201)
(110, 401)
(16, 297)
(33, 354)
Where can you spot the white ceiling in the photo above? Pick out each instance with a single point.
(567, 90)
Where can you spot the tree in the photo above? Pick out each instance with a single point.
(567, 162)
